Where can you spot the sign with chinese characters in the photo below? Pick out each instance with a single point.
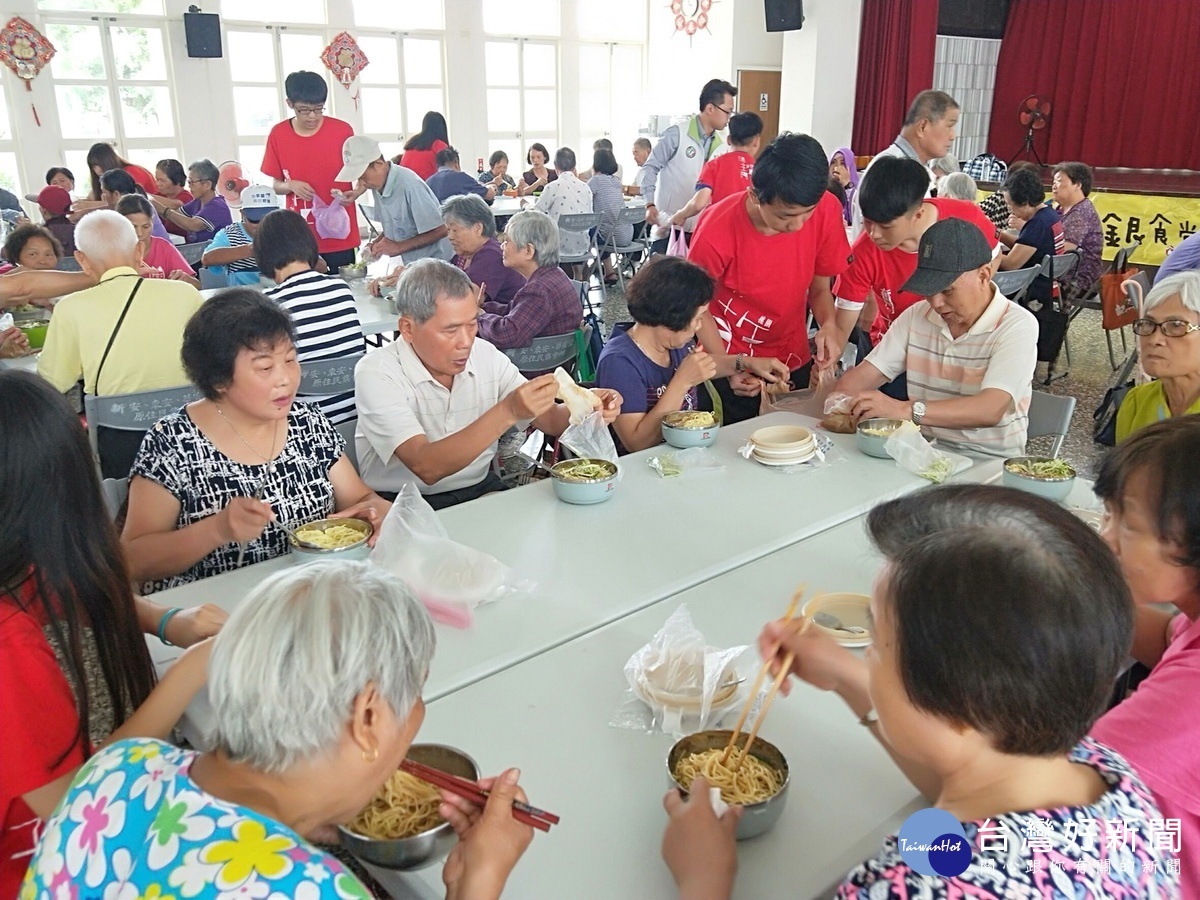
(1158, 222)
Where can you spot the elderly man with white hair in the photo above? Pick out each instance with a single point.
(433, 404)
(315, 684)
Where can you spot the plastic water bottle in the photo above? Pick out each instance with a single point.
(481, 165)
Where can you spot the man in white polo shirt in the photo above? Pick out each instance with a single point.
(433, 404)
(969, 352)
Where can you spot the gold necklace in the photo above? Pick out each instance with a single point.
(643, 348)
(274, 437)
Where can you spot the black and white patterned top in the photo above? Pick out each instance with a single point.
(177, 455)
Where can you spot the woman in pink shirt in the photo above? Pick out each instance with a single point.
(160, 259)
(1150, 486)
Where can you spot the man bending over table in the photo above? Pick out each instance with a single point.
(433, 404)
(969, 351)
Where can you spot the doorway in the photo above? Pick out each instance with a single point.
(758, 92)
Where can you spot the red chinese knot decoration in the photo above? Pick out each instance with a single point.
(344, 58)
(24, 49)
(691, 15)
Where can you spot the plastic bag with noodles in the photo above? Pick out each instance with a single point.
(590, 439)
(908, 447)
(448, 577)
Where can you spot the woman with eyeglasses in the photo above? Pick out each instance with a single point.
(1170, 353)
(206, 213)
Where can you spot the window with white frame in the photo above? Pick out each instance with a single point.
(112, 83)
(416, 15)
(136, 7)
(300, 12)
(403, 80)
(522, 97)
(610, 97)
(10, 176)
(535, 18)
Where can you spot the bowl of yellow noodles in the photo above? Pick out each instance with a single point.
(400, 828)
(331, 539)
(759, 786)
(690, 428)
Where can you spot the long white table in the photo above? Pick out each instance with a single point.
(507, 206)
(376, 314)
(550, 717)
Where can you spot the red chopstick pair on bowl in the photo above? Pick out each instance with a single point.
(469, 790)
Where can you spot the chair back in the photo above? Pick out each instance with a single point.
(578, 222)
(327, 377)
(1057, 267)
(581, 288)
(631, 215)
(116, 492)
(133, 412)
(68, 264)
(545, 353)
(346, 430)
(1015, 282)
(211, 280)
(193, 252)
(1121, 260)
(1050, 415)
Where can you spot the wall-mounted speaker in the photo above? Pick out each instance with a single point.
(784, 15)
(203, 33)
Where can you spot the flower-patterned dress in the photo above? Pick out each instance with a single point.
(135, 825)
(1117, 848)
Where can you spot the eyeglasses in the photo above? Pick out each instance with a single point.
(308, 110)
(1171, 328)
(728, 112)
(198, 180)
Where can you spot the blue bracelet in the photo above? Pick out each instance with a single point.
(162, 624)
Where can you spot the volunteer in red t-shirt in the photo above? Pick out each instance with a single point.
(728, 173)
(771, 250)
(421, 150)
(896, 214)
(304, 154)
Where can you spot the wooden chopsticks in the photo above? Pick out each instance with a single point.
(762, 673)
(469, 790)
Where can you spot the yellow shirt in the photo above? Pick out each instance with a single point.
(145, 354)
(1144, 405)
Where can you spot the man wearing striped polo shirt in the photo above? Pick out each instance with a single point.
(969, 352)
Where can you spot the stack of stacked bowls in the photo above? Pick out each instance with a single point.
(783, 445)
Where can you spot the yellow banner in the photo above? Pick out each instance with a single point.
(1158, 222)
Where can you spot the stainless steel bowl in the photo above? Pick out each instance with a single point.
(352, 273)
(359, 550)
(757, 818)
(872, 444)
(426, 848)
(584, 493)
(1051, 488)
(682, 436)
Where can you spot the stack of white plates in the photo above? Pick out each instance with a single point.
(783, 445)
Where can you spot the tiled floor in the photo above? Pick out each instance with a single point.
(1090, 376)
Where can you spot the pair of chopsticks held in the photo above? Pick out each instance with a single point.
(784, 669)
(469, 790)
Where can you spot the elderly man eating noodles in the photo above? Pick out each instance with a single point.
(433, 404)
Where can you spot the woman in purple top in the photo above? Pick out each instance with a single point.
(654, 364)
(208, 212)
(1081, 224)
(844, 171)
(471, 229)
(999, 621)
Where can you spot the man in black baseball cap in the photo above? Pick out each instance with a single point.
(968, 350)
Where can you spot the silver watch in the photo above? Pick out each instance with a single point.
(918, 412)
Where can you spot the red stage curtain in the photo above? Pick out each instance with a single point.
(895, 63)
(1121, 75)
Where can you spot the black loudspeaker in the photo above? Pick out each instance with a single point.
(784, 15)
(203, 33)
(973, 18)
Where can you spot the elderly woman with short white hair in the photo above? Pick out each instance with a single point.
(471, 229)
(957, 186)
(316, 685)
(1169, 348)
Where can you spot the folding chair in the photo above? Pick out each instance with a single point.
(210, 280)
(1050, 416)
(633, 252)
(193, 252)
(545, 354)
(586, 224)
(131, 414)
(328, 378)
(1091, 299)
(116, 492)
(1015, 282)
(1055, 268)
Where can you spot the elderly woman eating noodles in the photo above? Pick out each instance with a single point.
(218, 482)
(316, 687)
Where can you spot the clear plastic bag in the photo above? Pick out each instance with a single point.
(837, 414)
(448, 577)
(689, 461)
(331, 220)
(908, 447)
(590, 439)
(678, 684)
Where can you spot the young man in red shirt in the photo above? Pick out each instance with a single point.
(896, 213)
(304, 154)
(727, 174)
(772, 250)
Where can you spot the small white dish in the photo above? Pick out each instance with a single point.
(791, 461)
(852, 609)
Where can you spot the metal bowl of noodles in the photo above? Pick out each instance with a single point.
(331, 539)
(759, 817)
(428, 846)
(871, 434)
(1042, 475)
(584, 482)
(690, 428)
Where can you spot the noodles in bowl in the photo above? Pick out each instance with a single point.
(690, 419)
(330, 538)
(753, 782)
(404, 807)
(345, 538)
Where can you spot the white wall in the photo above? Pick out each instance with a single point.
(753, 46)
(820, 64)
(678, 66)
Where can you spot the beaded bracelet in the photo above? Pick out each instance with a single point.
(162, 624)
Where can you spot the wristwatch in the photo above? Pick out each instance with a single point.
(739, 363)
(918, 412)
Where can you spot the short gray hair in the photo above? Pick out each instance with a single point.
(1184, 285)
(204, 170)
(105, 236)
(537, 228)
(644, 143)
(957, 186)
(564, 159)
(466, 210)
(945, 165)
(288, 665)
(424, 282)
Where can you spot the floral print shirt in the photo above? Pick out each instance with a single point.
(135, 825)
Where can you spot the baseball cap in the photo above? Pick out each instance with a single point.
(257, 201)
(948, 249)
(358, 152)
(54, 200)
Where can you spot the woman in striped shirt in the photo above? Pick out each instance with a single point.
(326, 317)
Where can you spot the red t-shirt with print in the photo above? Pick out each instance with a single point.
(760, 299)
(423, 162)
(727, 174)
(885, 271)
(316, 159)
(41, 723)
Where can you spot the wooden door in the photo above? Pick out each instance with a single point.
(758, 92)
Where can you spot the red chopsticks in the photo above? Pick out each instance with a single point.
(469, 790)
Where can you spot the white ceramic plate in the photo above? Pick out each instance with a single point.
(795, 461)
(852, 609)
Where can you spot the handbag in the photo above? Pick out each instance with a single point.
(1115, 309)
(332, 220)
(677, 243)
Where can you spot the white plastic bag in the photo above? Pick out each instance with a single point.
(690, 461)
(908, 447)
(590, 439)
(686, 684)
(449, 578)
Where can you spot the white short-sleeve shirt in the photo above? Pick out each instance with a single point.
(399, 399)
